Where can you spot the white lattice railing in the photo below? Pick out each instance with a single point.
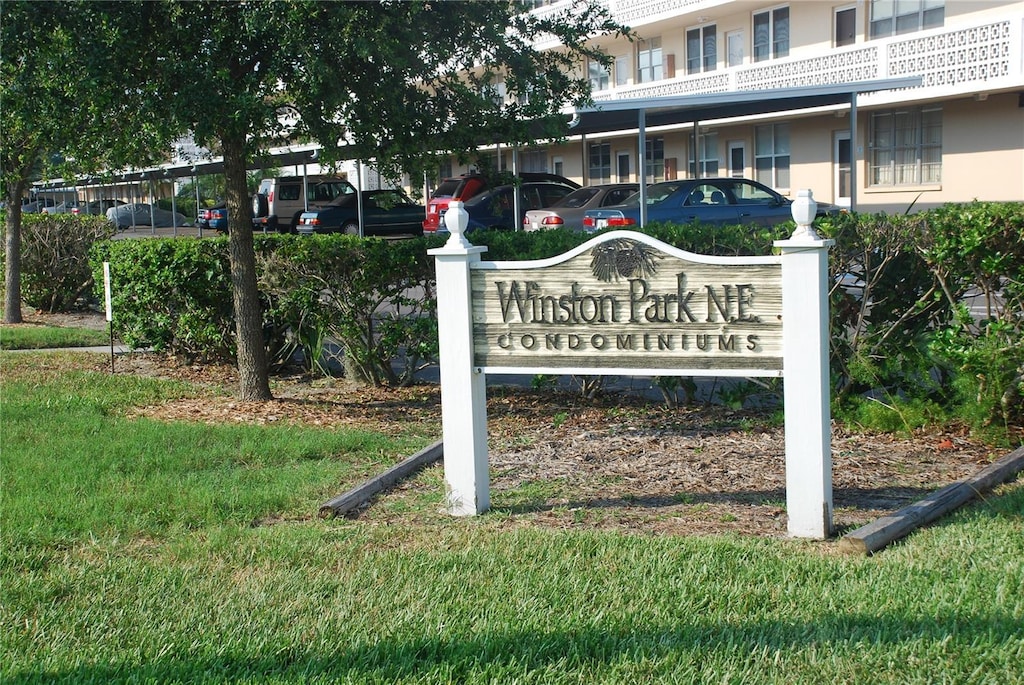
(949, 60)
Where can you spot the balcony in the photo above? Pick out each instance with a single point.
(953, 60)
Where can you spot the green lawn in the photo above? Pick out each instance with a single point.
(41, 337)
(140, 551)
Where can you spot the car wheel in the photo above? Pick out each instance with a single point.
(259, 205)
(351, 228)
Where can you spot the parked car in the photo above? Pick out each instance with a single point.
(385, 213)
(203, 218)
(69, 207)
(217, 218)
(36, 206)
(456, 188)
(279, 202)
(494, 208)
(568, 212)
(719, 201)
(99, 207)
(468, 186)
(144, 215)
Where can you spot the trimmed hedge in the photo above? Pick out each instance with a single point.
(55, 268)
(900, 328)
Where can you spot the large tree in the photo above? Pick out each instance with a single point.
(66, 105)
(395, 82)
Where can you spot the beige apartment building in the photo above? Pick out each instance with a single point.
(956, 136)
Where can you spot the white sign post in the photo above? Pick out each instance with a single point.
(109, 310)
(626, 303)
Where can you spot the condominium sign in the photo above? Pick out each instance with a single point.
(630, 303)
(625, 303)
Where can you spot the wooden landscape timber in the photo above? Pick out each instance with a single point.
(878, 534)
(359, 495)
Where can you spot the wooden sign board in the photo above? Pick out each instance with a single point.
(628, 304)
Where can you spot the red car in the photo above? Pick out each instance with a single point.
(458, 188)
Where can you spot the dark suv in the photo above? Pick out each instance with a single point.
(467, 186)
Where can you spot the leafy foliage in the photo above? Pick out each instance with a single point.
(55, 258)
(373, 297)
(171, 294)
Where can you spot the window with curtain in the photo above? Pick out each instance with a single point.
(705, 165)
(649, 65)
(905, 147)
(771, 34)
(771, 155)
(599, 76)
(654, 165)
(895, 17)
(622, 68)
(600, 163)
(701, 49)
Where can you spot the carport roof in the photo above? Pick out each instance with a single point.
(618, 115)
(615, 115)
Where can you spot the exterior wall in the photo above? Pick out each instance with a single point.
(973, 66)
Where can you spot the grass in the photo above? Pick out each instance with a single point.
(41, 337)
(138, 551)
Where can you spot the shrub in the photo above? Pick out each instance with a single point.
(374, 297)
(173, 294)
(55, 271)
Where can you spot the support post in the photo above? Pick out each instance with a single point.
(806, 390)
(463, 386)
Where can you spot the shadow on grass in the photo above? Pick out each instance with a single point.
(600, 652)
(864, 499)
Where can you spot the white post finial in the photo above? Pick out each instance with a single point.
(456, 219)
(804, 209)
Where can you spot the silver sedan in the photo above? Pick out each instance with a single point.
(568, 212)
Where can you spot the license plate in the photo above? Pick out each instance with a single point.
(602, 223)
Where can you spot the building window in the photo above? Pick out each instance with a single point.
(771, 34)
(599, 76)
(771, 155)
(906, 147)
(654, 164)
(600, 163)
(706, 163)
(894, 17)
(533, 160)
(735, 45)
(701, 49)
(622, 167)
(494, 92)
(648, 61)
(622, 70)
(846, 26)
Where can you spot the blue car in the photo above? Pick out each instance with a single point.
(217, 218)
(721, 201)
(494, 208)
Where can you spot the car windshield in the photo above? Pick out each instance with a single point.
(447, 188)
(655, 193)
(576, 199)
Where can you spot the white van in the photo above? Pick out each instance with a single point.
(278, 203)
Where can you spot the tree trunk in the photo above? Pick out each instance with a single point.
(12, 251)
(253, 373)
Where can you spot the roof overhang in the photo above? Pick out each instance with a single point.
(618, 115)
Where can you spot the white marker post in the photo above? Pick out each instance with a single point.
(463, 386)
(806, 385)
(109, 309)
